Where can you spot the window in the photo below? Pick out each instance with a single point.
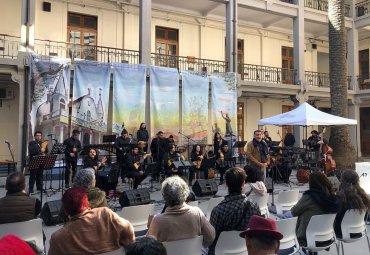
(287, 64)
(240, 120)
(82, 36)
(240, 54)
(363, 58)
(88, 115)
(286, 129)
(166, 46)
(62, 104)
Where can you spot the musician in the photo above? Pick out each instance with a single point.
(34, 149)
(258, 153)
(314, 141)
(217, 142)
(158, 148)
(267, 138)
(289, 139)
(224, 161)
(170, 140)
(92, 161)
(122, 145)
(197, 158)
(170, 157)
(73, 147)
(143, 135)
(135, 167)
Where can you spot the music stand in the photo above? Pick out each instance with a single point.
(58, 149)
(42, 162)
(240, 145)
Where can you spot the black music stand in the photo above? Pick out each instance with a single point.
(240, 145)
(42, 162)
(58, 149)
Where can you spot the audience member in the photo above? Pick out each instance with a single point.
(319, 199)
(89, 231)
(17, 205)
(85, 178)
(261, 236)
(179, 220)
(351, 196)
(234, 212)
(13, 245)
(257, 188)
(147, 245)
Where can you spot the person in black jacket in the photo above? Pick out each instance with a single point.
(158, 149)
(73, 147)
(135, 166)
(92, 160)
(34, 149)
(122, 145)
(143, 135)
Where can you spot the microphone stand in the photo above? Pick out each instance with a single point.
(189, 139)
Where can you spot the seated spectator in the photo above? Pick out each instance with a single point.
(351, 196)
(319, 199)
(146, 246)
(86, 178)
(13, 245)
(179, 220)
(234, 212)
(89, 231)
(257, 188)
(17, 205)
(261, 236)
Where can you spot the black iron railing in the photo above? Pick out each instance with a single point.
(362, 8)
(268, 74)
(317, 79)
(9, 46)
(322, 5)
(363, 81)
(189, 63)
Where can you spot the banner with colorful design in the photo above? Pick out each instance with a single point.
(90, 99)
(195, 87)
(49, 81)
(224, 104)
(164, 101)
(129, 94)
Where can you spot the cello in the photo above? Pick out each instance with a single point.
(326, 155)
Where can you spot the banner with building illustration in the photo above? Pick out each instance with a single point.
(90, 99)
(195, 105)
(129, 92)
(224, 104)
(49, 80)
(164, 101)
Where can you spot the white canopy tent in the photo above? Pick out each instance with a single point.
(306, 115)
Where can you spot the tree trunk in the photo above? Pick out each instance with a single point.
(344, 152)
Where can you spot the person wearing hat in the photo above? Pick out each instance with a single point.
(135, 168)
(73, 147)
(13, 245)
(261, 236)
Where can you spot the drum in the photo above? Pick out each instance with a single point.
(303, 175)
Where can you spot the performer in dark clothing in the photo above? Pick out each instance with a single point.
(35, 149)
(267, 138)
(73, 147)
(158, 148)
(224, 161)
(170, 157)
(289, 140)
(143, 135)
(135, 166)
(92, 161)
(122, 145)
(218, 142)
(197, 158)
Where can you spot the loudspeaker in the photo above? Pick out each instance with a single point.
(314, 46)
(135, 197)
(46, 6)
(52, 213)
(205, 187)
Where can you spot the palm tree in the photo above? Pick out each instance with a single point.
(344, 152)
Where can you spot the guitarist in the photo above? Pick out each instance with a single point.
(197, 158)
(135, 166)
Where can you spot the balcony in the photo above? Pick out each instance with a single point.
(362, 8)
(268, 74)
(322, 80)
(9, 46)
(363, 81)
(322, 5)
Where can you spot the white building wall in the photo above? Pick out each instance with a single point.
(10, 17)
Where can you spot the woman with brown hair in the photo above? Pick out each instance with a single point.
(351, 196)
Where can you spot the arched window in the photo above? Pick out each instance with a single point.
(88, 116)
(62, 104)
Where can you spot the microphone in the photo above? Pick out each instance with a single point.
(50, 135)
(7, 142)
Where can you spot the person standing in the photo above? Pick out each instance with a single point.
(35, 149)
(143, 135)
(224, 161)
(217, 142)
(158, 148)
(73, 147)
(122, 145)
(197, 158)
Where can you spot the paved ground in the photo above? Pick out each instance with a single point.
(358, 248)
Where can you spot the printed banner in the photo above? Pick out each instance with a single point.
(224, 105)
(49, 81)
(164, 101)
(129, 92)
(195, 105)
(90, 99)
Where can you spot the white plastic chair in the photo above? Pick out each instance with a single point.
(320, 229)
(138, 215)
(192, 246)
(193, 203)
(353, 223)
(287, 228)
(30, 230)
(285, 201)
(262, 203)
(230, 243)
(212, 203)
(119, 251)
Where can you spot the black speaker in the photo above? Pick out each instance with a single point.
(135, 197)
(205, 187)
(52, 213)
(46, 6)
(314, 46)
